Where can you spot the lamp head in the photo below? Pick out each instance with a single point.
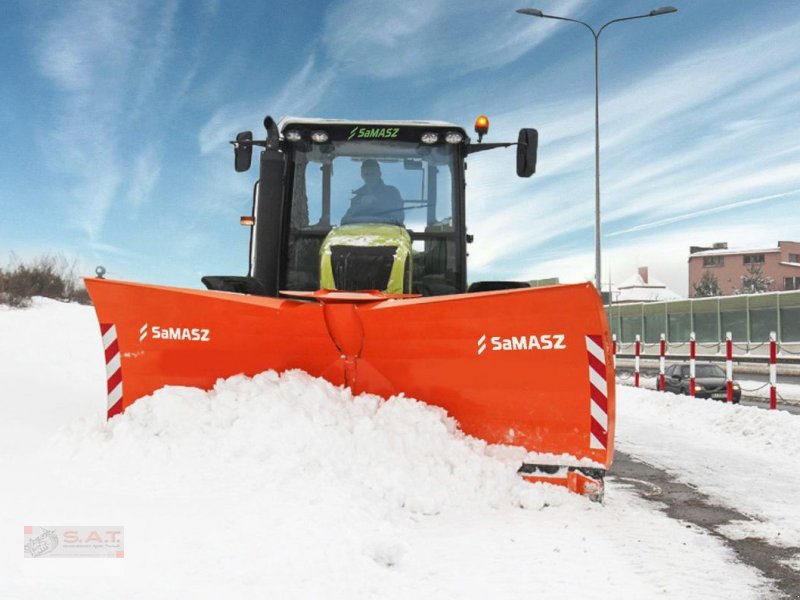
(664, 10)
(532, 12)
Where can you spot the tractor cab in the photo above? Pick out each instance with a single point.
(376, 206)
(346, 205)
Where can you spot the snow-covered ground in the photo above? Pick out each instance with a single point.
(745, 457)
(285, 486)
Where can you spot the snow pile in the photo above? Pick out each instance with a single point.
(744, 457)
(399, 453)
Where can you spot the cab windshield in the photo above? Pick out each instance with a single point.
(404, 184)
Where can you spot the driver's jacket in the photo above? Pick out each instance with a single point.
(380, 204)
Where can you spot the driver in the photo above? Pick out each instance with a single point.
(374, 202)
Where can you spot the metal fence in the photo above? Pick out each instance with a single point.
(749, 318)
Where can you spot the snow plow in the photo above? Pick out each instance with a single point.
(357, 274)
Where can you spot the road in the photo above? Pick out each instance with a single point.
(761, 403)
(683, 502)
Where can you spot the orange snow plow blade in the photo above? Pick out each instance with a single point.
(527, 367)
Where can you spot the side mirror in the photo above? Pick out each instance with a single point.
(527, 146)
(243, 151)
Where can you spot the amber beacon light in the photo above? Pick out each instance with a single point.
(481, 126)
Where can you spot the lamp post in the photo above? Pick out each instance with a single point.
(533, 12)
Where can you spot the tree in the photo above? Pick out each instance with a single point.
(754, 282)
(707, 286)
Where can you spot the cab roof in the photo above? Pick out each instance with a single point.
(286, 121)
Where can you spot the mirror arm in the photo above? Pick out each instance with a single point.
(262, 143)
(472, 148)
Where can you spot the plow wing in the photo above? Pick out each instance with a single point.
(526, 367)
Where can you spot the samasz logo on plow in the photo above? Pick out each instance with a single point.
(184, 334)
(554, 341)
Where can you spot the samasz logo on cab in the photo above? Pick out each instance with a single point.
(361, 133)
(182, 334)
(547, 341)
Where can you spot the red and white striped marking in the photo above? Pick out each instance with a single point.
(113, 368)
(729, 365)
(598, 436)
(692, 354)
(773, 371)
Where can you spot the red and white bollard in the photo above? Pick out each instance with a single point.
(614, 347)
(661, 358)
(773, 371)
(692, 355)
(729, 364)
(638, 350)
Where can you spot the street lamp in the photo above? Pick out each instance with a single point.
(533, 12)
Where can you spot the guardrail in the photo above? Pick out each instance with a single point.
(774, 351)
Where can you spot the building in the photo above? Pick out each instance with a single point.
(781, 264)
(642, 288)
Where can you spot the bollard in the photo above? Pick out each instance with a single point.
(729, 364)
(661, 359)
(636, 362)
(773, 371)
(692, 350)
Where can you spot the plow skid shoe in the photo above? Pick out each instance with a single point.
(587, 482)
(527, 367)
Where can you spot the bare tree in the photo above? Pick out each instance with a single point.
(50, 276)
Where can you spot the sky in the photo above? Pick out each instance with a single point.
(116, 117)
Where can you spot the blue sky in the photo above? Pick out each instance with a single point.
(115, 117)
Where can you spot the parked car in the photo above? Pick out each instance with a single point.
(709, 381)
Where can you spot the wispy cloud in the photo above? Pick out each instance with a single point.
(143, 176)
(84, 43)
(113, 250)
(155, 51)
(699, 213)
(299, 95)
(388, 40)
(104, 58)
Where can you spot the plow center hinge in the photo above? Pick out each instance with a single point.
(347, 333)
